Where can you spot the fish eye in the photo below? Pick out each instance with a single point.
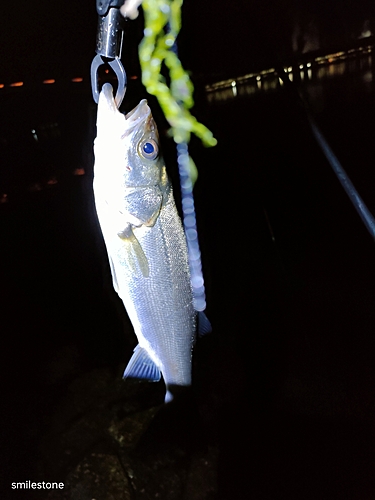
(149, 149)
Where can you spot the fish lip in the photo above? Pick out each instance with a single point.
(137, 115)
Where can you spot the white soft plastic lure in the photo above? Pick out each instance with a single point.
(145, 242)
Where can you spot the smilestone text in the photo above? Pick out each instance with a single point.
(28, 485)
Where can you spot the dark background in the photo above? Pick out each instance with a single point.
(45, 39)
(284, 387)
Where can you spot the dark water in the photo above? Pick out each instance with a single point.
(285, 384)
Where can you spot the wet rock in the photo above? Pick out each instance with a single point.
(98, 476)
(111, 439)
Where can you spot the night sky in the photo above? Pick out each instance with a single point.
(47, 39)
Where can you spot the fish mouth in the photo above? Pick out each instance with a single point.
(137, 116)
(108, 113)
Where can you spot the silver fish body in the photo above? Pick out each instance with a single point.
(145, 242)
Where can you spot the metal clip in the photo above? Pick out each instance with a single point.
(108, 50)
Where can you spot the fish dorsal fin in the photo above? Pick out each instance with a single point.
(204, 325)
(141, 366)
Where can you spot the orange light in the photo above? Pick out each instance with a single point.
(134, 77)
(2, 85)
(16, 84)
(79, 171)
(77, 80)
(106, 71)
(330, 60)
(49, 81)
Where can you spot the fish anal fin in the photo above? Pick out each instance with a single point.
(142, 367)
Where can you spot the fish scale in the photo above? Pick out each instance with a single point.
(164, 320)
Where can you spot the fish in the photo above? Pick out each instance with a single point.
(145, 243)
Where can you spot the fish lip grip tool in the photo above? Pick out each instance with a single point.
(109, 46)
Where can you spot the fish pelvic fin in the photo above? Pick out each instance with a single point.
(142, 367)
(134, 255)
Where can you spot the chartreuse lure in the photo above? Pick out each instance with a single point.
(162, 25)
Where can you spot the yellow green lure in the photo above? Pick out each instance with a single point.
(176, 99)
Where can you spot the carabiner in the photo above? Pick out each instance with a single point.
(119, 70)
(108, 50)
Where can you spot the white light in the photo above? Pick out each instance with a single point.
(308, 65)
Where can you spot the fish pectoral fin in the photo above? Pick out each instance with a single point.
(134, 252)
(141, 366)
(203, 323)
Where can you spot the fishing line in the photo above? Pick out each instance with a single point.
(346, 183)
(355, 198)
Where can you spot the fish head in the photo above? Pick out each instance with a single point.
(127, 146)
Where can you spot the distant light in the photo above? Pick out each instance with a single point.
(258, 78)
(77, 80)
(290, 69)
(106, 71)
(301, 66)
(3, 198)
(52, 181)
(16, 84)
(233, 83)
(134, 77)
(2, 85)
(308, 65)
(267, 71)
(49, 81)
(35, 135)
(79, 171)
(330, 60)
